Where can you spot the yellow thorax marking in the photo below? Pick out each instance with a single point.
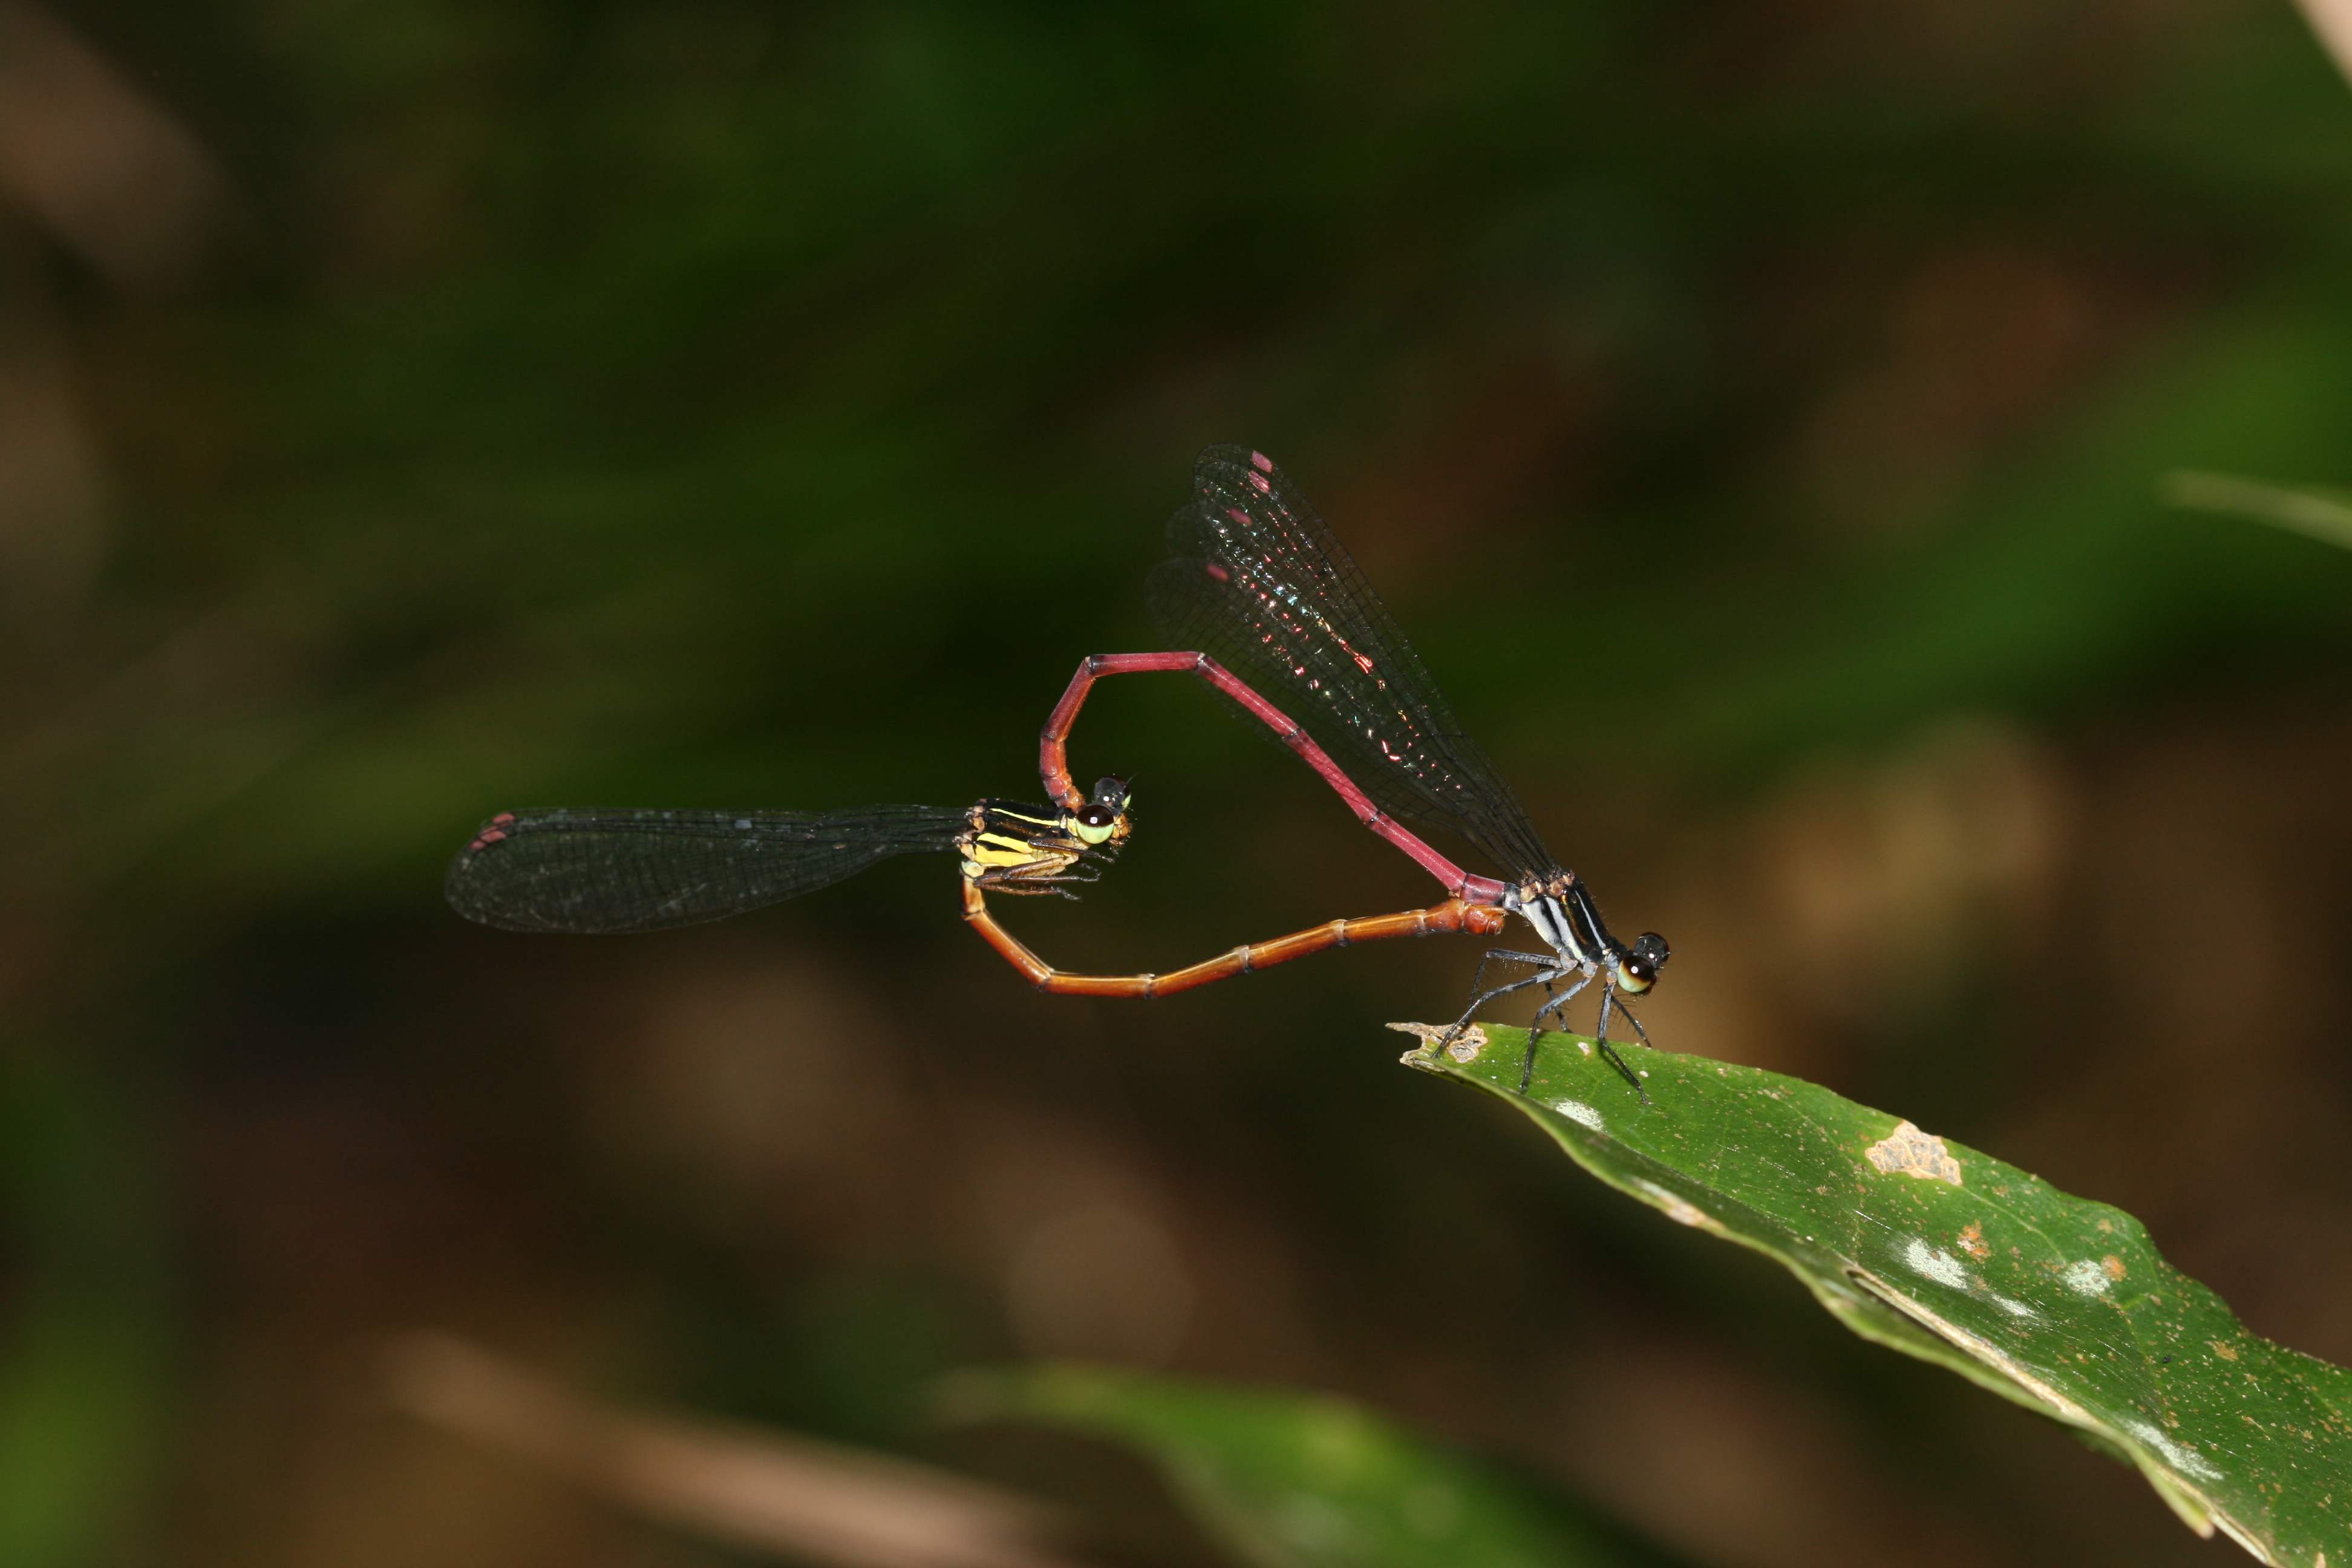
(1007, 846)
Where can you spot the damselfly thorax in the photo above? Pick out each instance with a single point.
(1015, 847)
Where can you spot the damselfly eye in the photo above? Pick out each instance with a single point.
(1101, 819)
(1638, 970)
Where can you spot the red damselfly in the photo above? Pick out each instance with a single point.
(1264, 595)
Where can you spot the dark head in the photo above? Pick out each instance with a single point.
(1638, 966)
(1105, 812)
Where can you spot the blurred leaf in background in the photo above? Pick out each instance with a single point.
(1287, 1481)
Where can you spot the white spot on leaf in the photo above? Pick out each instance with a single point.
(2179, 1457)
(2085, 1278)
(1577, 1111)
(1936, 1264)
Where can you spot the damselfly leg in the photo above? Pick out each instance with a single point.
(1558, 1007)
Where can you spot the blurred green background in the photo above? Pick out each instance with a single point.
(412, 410)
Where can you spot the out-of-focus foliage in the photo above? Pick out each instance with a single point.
(773, 401)
(81, 1365)
(1287, 1480)
(413, 410)
(2323, 515)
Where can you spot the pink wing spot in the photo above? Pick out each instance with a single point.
(1363, 664)
(1264, 464)
(502, 819)
(1257, 483)
(490, 838)
(1237, 514)
(1219, 573)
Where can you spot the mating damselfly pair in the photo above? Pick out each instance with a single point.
(1263, 597)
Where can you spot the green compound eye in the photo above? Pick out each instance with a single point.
(1094, 822)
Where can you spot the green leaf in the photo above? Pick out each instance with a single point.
(1292, 1481)
(1924, 1245)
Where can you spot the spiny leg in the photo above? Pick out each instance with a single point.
(1601, 1038)
(1478, 975)
(1560, 1004)
(1548, 964)
(1535, 1033)
(1627, 1012)
(1552, 971)
(1553, 1005)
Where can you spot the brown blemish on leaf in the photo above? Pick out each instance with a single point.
(1914, 1154)
(2225, 1352)
(1465, 1048)
(2112, 1266)
(1972, 1241)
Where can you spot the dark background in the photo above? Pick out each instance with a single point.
(416, 409)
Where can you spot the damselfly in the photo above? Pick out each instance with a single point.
(1264, 593)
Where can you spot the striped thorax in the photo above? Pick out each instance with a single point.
(1014, 847)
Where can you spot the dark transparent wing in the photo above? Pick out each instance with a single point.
(640, 870)
(1258, 583)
